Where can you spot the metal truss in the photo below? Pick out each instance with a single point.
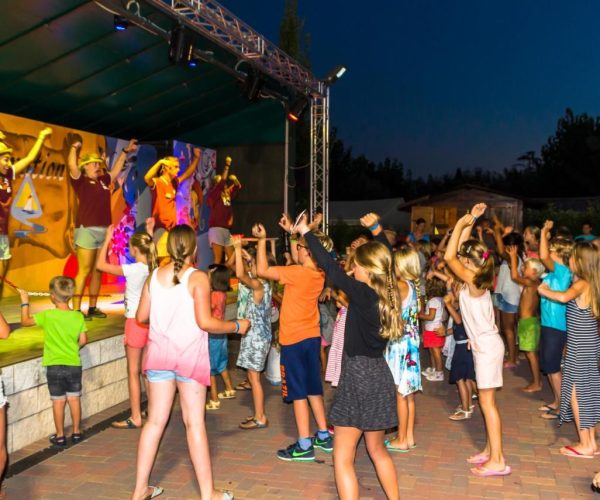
(319, 156)
(215, 22)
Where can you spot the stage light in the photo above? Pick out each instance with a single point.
(180, 46)
(252, 86)
(296, 109)
(335, 74)
(120, 23)
(194, 62)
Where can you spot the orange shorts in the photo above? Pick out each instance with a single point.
(136, 334)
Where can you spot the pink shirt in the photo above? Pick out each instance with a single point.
(175, 341)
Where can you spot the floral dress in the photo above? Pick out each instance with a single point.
(255, 345)
(402, 355)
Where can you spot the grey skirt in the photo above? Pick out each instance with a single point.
(366, 395)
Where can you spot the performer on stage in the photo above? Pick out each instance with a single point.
(92, 185)
(163, 180)
(8, 172)
(220, 220)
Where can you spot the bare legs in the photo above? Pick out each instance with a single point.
(465, 393)
(587, 439)
(214, 393)
(86, 259)
(493, 424)
(302, 414)
(406, 422)
(508, 327)
(192, 399)
(219, 250)
(436, 358)
(58, 412)
(534, 365)
(344, 451)
(134, 369)
(555, 380)
(258, 396)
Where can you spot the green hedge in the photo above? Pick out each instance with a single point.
(573, 219)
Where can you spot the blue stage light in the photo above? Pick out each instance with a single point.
(120, 23)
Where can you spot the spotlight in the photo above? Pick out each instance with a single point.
(252, 86)
(181, 47)
(335, 74)
(296, 108)
(120, 23)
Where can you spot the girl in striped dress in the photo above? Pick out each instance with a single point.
(580, 388)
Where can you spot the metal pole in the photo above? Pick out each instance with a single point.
(286, 161)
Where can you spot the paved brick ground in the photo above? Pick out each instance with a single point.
(244, 461)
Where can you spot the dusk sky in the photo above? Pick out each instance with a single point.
(441, 84)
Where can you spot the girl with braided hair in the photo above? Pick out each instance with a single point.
(176, 301)
(471, 262)
(364, 400)
(142, 249)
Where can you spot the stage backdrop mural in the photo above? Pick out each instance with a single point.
(44, 206)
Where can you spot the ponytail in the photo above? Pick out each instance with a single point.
(181, 244)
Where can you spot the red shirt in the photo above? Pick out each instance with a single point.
(164, 209)
(94, 200)
(6, 196)
(219, 200)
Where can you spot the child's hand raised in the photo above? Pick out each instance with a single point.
(236, 241)
(508, 230)
(244, 326)
(316, 222)
(259, 231)
(547, 227)
(369, 220)
(478, 210)
(301, 226)
(286, 223)
(24, 296)
(512, 250)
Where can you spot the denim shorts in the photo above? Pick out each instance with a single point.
(165, 375)
(503, 305)
(64, 381)
(90, 237)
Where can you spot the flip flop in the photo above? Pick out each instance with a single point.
(125, 424)
(573, 453)
(480, 458)
(156, 491)
(243, 386)
(483, 472)
(547, 408)
(550, 415)
(389, 447)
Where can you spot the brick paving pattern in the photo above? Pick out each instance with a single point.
(244, 461)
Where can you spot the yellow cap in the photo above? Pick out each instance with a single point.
(90, 158)
(5, 149)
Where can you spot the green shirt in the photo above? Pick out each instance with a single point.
(61, 336)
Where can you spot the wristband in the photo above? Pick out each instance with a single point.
(24, 305)
(126, 151)
(374, 226)
(237, 326)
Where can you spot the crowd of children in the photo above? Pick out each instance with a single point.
(480, 291)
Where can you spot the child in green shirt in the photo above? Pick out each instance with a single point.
(64, 335)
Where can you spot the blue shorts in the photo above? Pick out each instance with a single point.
(552, 345)
(301, 370)
(165, 376)
(503, 305)
(217, 352)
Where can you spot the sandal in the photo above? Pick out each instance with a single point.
(243, 386)
(125, 424)
(156, 491)
(76, 437)
(227, 394)
(254, 424)
(60, 442)
(213, 405)
(550, 415)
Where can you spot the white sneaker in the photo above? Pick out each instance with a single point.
(436, 377)
(428, 371)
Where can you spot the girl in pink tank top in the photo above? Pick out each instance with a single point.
(474, 266)
(176, 301)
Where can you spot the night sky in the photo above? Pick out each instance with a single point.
(448, 83)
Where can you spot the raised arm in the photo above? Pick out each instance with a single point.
(449, 303)
(576, 289)
(192, 166)
(262, 263)
(451, 254)
(74, 171)
(102, 264)
(285, 222)
(120, 161)
(512, 252)
(371, 222)
(33, 152)
(498, 234)
(240, 272)
(26, 319)
(152, 173)
(545, 245)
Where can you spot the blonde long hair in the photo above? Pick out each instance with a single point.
(586, 258)
(144, 243)
(181, 244)
(375, 258)
(481, 258)
(408, 267)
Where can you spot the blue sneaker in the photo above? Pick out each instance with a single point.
(294, 453)
(325, 445)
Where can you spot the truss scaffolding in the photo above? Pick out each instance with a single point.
(319, 156)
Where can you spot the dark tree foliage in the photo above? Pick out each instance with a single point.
(569, 166)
